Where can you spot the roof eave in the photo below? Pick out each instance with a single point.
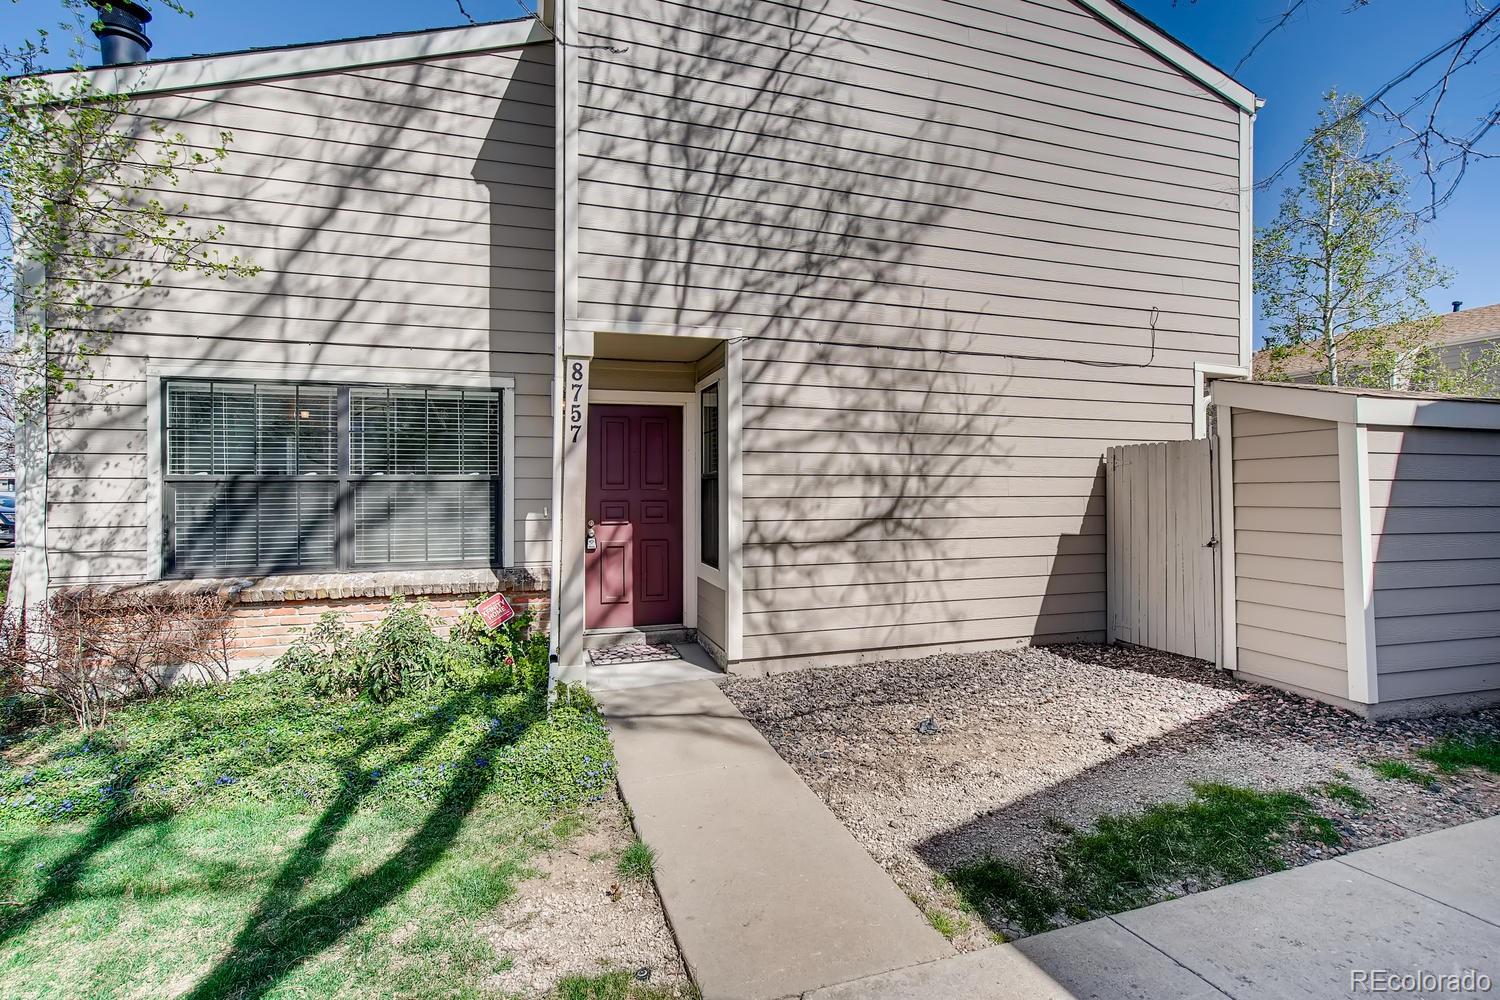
(229, 69)
(1174, 52)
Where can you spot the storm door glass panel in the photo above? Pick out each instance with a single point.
(708, 511)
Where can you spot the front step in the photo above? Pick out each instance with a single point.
(671, 635)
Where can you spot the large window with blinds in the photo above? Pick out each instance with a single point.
(276, 478)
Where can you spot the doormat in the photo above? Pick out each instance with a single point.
(635, 652)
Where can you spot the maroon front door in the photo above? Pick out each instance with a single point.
(634, 572)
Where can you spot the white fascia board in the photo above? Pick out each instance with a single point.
(247, 67)
(1463, 414)
(1335, 406)
(1353, 408)
(1216, 80)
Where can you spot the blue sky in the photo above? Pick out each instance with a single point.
(1330, 43)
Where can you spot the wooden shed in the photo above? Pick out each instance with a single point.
(1361, 544)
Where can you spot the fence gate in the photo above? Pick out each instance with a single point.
(1163, 551)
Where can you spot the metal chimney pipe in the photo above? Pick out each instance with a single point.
(122, 40)
(1457, 305)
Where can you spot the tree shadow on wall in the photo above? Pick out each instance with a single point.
(729, 179)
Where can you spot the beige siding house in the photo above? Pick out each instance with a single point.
(803, 329)
(1365, 556)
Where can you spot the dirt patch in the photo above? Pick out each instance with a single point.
(578, 917)
(939, 762)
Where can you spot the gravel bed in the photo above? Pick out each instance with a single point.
(940, 761)
(578, 917)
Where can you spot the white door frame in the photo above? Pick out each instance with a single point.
(691, 447)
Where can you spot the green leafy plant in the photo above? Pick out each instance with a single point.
(565, 695)
(513, 655)
(399, 654)
(1342, 791)
(638, 861)
(1453, 753)
(1391, 769)
(91, 217)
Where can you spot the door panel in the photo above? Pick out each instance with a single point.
(634, 576)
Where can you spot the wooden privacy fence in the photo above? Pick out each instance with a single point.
(1163, 551)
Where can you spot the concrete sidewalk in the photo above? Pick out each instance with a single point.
(1426, 905)
(767, 892)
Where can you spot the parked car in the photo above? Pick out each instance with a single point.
(7, 519)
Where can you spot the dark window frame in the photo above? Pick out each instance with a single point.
(344, 480)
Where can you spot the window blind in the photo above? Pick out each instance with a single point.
(273, 477)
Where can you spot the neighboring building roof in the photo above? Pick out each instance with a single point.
(1463, 327)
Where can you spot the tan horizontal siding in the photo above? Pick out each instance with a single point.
(951, 593)
(1289, 552)
(1435, 534)
(970, 247)
(712, 613)
(402, 217)
(951, 575)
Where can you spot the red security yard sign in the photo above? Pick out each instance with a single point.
(495, 610)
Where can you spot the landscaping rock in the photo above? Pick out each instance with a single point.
(1036, 736)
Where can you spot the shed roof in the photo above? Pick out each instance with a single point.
(1343, 404)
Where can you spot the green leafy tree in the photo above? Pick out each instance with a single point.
(1343, 274)
(89, 218)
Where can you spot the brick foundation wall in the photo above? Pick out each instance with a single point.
(267, 613)
(263, 630)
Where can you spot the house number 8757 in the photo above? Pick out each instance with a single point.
(575, 399)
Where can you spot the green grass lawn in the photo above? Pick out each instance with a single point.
(1225, 834)
(252, 840)
(4, 580)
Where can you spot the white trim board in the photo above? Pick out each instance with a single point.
(196, 72)
(691, 444)
(1354, 407)
(1131, 24)
(1247, 239)
(1228, 614)
(1204, 373)
(1359, 564)
(272, 371)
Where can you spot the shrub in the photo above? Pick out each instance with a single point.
(92, 649)
(577, 696)
(403, 653)
(512, 656)
(397, 655)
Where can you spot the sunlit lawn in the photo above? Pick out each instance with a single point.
(252, 840)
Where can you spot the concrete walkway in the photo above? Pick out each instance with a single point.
(767, 892)
(1429, 904)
